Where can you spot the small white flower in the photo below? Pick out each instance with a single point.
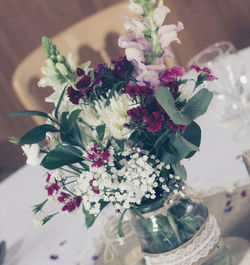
(37, 222)
(134, 54)
(32, 153)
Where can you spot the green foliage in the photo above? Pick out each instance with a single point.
(195, 106)
(59, 102)
(101, 131)
(47, 218)
(37, 134)
(90, 218)
(62, 155)
(179, 170)
(120, 231)
(70, 132)
(182, 145)
(24, 113)
(38, 207)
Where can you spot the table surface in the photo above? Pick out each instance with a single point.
(65, 239)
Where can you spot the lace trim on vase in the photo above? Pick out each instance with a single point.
(192, 252)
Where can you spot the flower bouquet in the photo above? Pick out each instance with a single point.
(118, 134)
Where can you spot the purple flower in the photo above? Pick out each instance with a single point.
(74, 95)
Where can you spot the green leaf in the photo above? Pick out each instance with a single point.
(100, 131)
(90, 218)
(193, 135)
(120, 231)
(62, 155)
(23, 113)
(166, 100)
(47, 218)
(38, 207)
(73, 118)
(37, 134)
(115, 87)
(179, 170)
(189, 144)
(59, 102)
(195, 107)
(198, 104)
(137, 212)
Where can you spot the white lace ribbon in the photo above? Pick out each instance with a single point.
(192, 252)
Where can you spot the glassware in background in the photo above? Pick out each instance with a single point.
(212, 53)
(232, 90)
(126, 248)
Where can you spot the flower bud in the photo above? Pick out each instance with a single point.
(62, 69)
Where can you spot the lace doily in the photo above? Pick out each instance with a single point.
(192, 252)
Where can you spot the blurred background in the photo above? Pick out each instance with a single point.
(23, 23)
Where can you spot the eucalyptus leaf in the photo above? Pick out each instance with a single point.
(179, 170)
(62, 155)
(198, 104)
(166, 100)
(37, 134)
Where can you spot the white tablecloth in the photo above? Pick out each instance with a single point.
(66, 238)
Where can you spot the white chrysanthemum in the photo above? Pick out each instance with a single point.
(32, 153)
(115, 115)
(90, 116)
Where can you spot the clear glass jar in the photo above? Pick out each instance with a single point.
(127, 249)
(161, 233)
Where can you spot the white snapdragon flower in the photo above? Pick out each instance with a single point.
(115, 115)
(134, 54)
(90, 116)
(134, 24)
(72, 60)
(61, 68)
(32, 153)
(136, 8)
(159, 14)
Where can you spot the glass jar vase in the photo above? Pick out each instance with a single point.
(183, 233)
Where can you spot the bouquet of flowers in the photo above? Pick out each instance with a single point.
(120, 130)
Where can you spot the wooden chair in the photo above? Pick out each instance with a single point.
(90, 39)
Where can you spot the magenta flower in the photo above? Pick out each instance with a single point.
(72, 205)
(53, 188)
(155, 121)
(171, 74)
(205, 72)
(74, 95)
(98, 156)
(175, 127)
(63, 197)
(137, 113)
